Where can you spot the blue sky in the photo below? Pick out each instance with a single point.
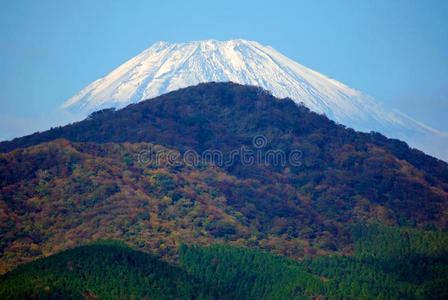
(396, 51)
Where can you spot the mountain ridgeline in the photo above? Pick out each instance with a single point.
(181, 119)
(225, 116)
(165, 67)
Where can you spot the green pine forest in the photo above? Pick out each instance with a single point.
(388, 263)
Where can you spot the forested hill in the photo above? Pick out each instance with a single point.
(388, 263)
(104, 270)
(94, 183)
(218, 115)
(226, 116)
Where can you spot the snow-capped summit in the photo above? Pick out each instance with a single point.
(166, 67)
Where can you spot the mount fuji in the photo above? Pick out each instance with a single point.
(165, 67)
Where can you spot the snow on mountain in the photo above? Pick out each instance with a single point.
(165, 67)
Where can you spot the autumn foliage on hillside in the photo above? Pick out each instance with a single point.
(86, 181)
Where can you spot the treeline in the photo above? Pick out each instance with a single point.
(388, 263)
(105, 270)
(250, 274)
